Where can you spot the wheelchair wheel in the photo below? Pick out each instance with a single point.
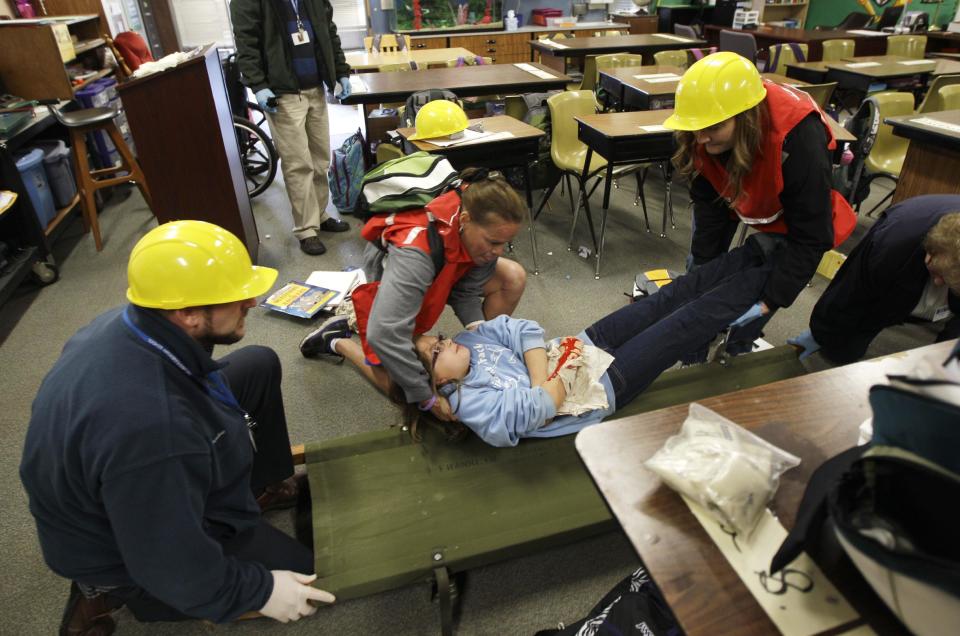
(256, 114)
(257, 155)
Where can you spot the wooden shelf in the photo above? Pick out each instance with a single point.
(100, 74)
(62, 214)
(88, 45)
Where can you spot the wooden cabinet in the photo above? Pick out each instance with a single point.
(419, 43)
(775, 13)
(639, 24)
(483, 45)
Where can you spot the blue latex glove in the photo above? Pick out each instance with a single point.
(344, 87)
(749, 316)
(263, 97)
(806, 343)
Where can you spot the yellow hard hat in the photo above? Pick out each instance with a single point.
(439, 118)
(191, 264)
(715, 89)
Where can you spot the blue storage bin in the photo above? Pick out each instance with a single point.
(30, 166)
(57, 165)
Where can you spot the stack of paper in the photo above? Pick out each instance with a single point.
(341, 282)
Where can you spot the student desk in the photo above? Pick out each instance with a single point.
(933, 156)
(555, 53)
(767, 36)
(813, 416)
(467, 81)
(891, 69)
(519, 150)
(637, 93)
(371, 61)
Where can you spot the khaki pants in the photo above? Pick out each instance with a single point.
(301, 134)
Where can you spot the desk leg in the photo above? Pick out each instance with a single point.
(528, 186)
(603, 217)
(667, 198)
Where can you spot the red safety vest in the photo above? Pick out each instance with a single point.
(409, 230)
(759, 204)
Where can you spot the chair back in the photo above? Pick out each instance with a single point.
(854, 20)
(133, 48)
(617, 60)
(515, 106)
(914, 46)
(671, 58)
(821, 93)
(386, 43)
(589, 81)
(741, 43)
(566, 150)
(606, 34)
(864, 125)
(685, 30)
(779, 55)
(889, 17)
(834, 50)
(932, 101)
(888, 150)
(950, 97)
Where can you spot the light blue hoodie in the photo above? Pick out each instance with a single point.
(496, 400)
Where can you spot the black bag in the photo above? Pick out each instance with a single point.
(634, 606)
(543, 172)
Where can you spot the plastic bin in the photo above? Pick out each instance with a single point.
(57, 165)
(30, 166)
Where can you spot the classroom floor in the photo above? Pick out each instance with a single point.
(519, 596)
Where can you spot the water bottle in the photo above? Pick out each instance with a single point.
(511, 21)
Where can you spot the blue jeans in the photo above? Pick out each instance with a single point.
(650, 335)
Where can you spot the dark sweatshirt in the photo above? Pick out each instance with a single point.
(133, 470)
(806, 210)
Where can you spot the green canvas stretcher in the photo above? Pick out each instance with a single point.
(388, 512)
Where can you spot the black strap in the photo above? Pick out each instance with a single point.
(442, 577)
(436, 247)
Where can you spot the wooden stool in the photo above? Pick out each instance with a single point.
(88, 120)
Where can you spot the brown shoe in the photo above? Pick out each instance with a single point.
(88, 616)
(281, 495)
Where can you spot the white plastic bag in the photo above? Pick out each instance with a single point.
(727, 469)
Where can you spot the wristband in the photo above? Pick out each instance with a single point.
(430, 403)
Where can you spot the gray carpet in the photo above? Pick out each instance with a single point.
(519, 596)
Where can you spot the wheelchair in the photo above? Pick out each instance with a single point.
(258, 155)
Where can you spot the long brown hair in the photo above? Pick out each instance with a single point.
(491, 198)
(411, 417)
(748, 134)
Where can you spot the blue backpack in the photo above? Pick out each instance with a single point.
(345, 175)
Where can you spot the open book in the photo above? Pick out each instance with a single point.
(341, 282)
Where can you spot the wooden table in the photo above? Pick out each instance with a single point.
(371, 61)
(933, 156)
(895, 71)
(467, 81)
(814, 417)
(646, 44)
(520, 150)
(767, 36)
(632, 93)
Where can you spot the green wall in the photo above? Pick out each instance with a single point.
(831, 12)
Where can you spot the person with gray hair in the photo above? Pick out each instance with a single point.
(907, 265)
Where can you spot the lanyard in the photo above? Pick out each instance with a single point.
(295, 4)
(213, 384)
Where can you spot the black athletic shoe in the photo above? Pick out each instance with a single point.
(334, 225)
(317, 342)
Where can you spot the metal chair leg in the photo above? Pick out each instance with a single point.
(640, 198)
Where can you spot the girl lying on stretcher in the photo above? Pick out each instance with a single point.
(505, 382)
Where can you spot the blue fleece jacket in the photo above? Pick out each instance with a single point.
(496, 400)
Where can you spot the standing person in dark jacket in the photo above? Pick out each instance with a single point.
(145, 457)
(287, 50)
(759, 153)
(908, 264)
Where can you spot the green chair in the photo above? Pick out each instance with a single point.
(932, 101)
(834, 50)
(886, 157)
(821, 93)
(671, 58)
(950, 97)
(615, 60)
(779, 55)
(914, 46)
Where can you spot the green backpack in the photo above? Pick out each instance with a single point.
(405, 183)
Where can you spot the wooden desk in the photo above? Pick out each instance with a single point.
(182, 126)
(646, 44)
(814, 417)
(933, 156)
(520, 150)
(938, 41)
(812, 72)
(767, 36)
(894, 70)
(367, 61)
(634, 93)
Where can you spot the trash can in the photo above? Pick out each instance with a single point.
(30, 166)
(57, 165)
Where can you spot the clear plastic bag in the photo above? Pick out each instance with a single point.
(727, 469)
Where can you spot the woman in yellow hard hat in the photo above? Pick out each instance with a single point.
(421, 260)
(760, 153)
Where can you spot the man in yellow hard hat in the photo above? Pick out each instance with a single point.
(148, 463)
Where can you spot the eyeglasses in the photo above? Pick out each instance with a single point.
(435, 353)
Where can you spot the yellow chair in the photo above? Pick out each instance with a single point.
(834, 50)
(394, 68)
(821, 93)
(606, 34)
(914, 46)
(779, 55)
(950, 97)
(886, 157)
(388, 43)
(672, 58)
(932, 101)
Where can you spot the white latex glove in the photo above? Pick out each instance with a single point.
(291, 594)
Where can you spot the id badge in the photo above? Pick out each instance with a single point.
(300, 37)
